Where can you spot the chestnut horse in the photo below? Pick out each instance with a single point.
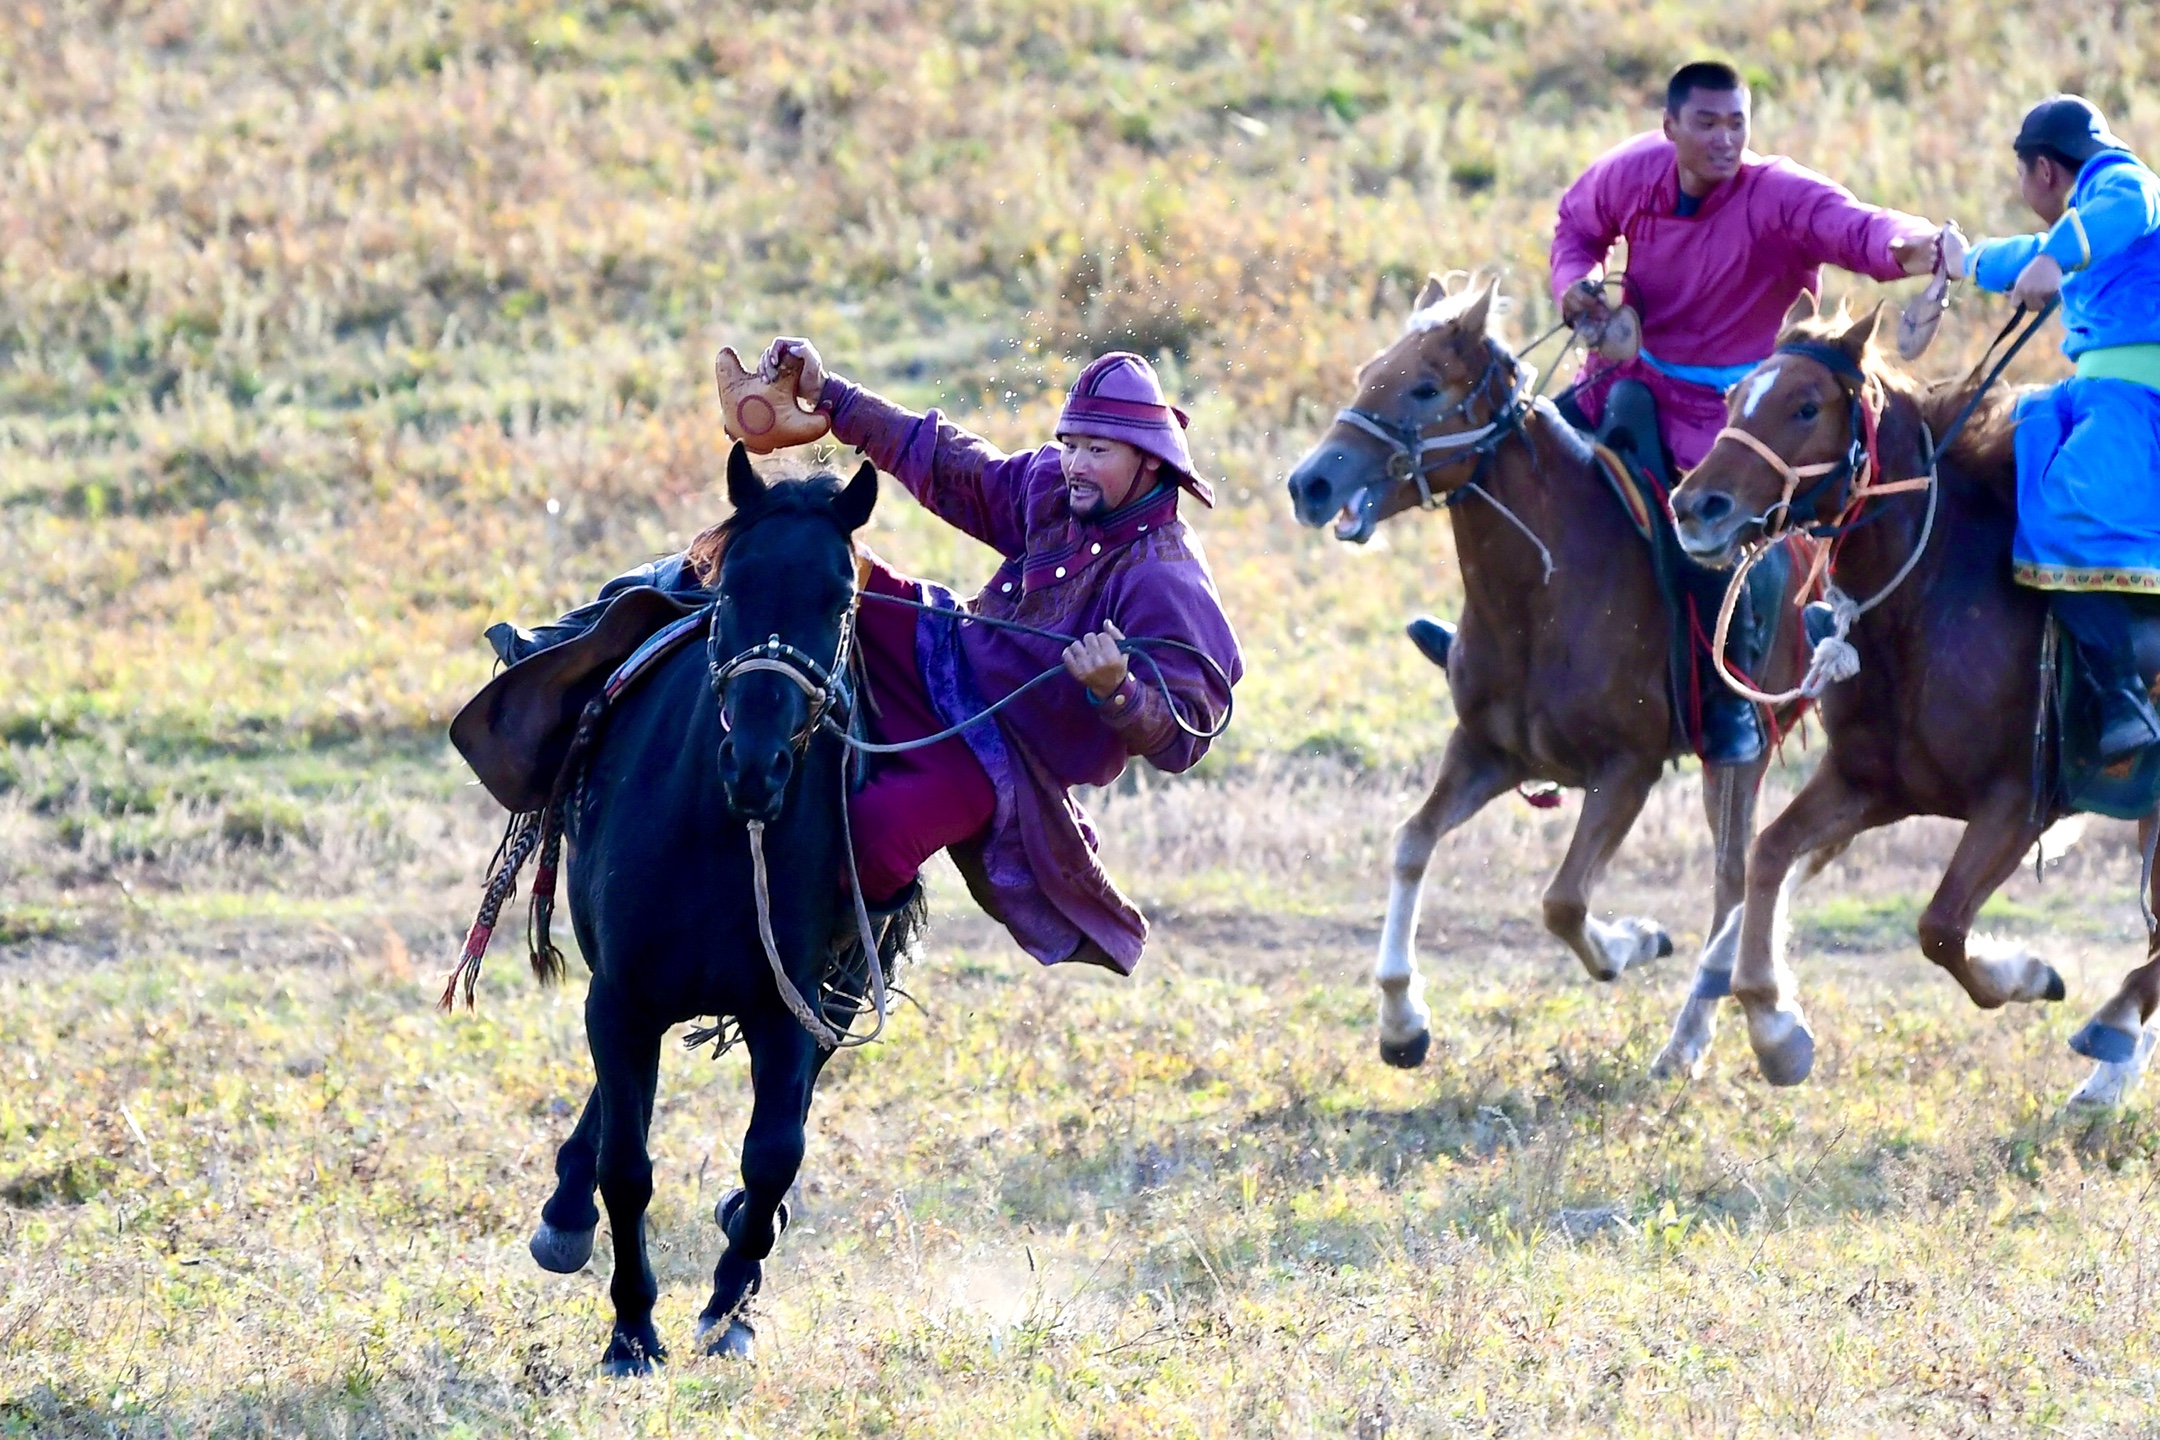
(1940, 718)
(1558, 675)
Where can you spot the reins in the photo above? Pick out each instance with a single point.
(1135, 646)
(1410, 444)
(1834, 657)
(832, 710)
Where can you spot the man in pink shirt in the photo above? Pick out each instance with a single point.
(1720, 242)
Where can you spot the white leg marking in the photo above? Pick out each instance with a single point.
(1696, 1024)
(2012, 971)
(2110, 1085)
(1623, 943)
(1784, 1046)
(1403, 1013)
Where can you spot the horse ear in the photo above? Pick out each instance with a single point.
(1433, 292)
(1471, 324)
(1860, 334)
(855, 503)
(745, 491)
(1803, 308)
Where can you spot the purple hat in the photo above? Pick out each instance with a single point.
(1118, 397)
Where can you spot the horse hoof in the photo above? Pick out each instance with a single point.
(1784, 1048)
(2104, 1043)
(2054, 989)
(628, 1359)
(724, 1209)
(1664, 946)
(563, 1252)
(736, 1340)
(1673, 1063)
(1407, 1054)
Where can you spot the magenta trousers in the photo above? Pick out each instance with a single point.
(917, 803)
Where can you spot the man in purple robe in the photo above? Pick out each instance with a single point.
(1092, 548)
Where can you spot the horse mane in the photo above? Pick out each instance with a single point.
(1984, 448)
(809, 495)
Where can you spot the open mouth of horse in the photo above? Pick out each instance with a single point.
(1354, 522)
(1716, 546)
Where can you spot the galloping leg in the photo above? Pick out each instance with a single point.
(564, 1241)
(1987, 854)
(1729, 793)
(1826, 814)
(1696, 1024)
(1610, 805)
(626, 1060)
(1471, 774)
(784, 1063)
(2119, 1037)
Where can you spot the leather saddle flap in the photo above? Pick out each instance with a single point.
(516, 733)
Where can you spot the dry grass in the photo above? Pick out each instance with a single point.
(306, 315)
(254, 1187)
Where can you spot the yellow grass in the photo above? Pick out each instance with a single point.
(307, 313)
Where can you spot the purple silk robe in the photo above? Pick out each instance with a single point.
(1035, 870)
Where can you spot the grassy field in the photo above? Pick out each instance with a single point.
(330, 334)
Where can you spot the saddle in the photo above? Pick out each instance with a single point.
(516, 733)
(1642, 486)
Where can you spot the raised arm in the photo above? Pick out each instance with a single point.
(1829, 225)
(958, 476)
(2116, 209)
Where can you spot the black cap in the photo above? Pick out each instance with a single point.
(2069, 124)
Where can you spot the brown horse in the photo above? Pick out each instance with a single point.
(1939, 719)
(1559, 667)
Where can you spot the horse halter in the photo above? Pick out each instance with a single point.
(1864, 398)
(825, 685)
(1411, 443)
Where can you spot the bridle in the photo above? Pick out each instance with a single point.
(824, 685)
(1858, 466)
(1410, 444)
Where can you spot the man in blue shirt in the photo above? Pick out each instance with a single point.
(2088, 448)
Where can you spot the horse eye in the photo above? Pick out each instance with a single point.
(1426, 390)
(1807, 413)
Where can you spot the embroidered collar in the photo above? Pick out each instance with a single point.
(1085, 542)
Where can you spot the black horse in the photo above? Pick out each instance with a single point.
(662, 891)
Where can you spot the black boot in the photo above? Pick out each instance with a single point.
(1629, 427)
(2099, 625)
(1433, 638)
(1732, 727)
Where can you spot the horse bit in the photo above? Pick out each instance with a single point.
(1410, 444)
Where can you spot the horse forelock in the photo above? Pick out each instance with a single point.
(811, 495)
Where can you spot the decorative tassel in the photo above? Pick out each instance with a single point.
(519, 840)
(547, 960)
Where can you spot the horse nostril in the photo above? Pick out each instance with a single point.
(783, 767)
(1713, 507)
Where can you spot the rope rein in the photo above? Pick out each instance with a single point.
(832, 711)
(1134, 646)
(1835, 658)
